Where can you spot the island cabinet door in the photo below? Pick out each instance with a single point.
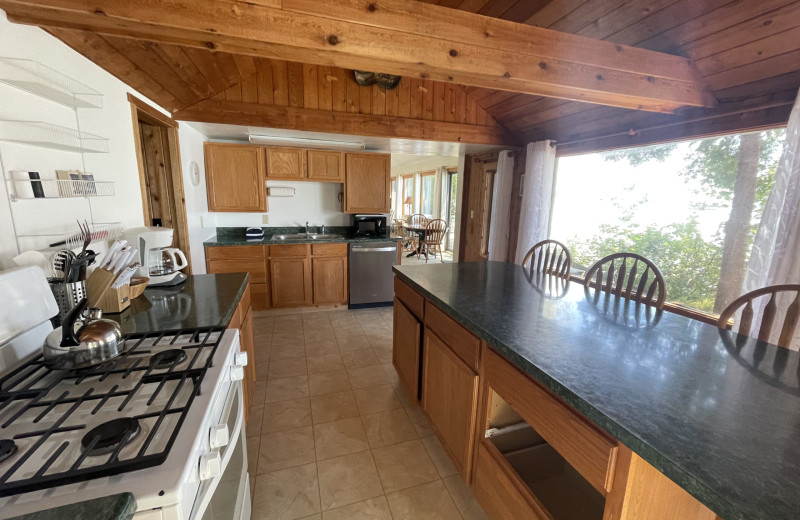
(449, 399)
(407, 331)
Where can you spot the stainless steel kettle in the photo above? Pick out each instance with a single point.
(95, 341)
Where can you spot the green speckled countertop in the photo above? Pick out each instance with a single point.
(203, 300)
(718, 417)
(114, 507)
(236, 237)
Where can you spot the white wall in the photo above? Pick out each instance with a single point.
(113, 121)
(191, 147)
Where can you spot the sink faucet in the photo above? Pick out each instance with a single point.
(306, 227)
(322, 229)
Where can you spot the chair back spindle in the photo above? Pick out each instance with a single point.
(613, 275)
(549, 257)
(769, 314)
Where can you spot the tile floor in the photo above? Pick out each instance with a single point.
(332, 435)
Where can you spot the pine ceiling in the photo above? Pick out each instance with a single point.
(747, 53)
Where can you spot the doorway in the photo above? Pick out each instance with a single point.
(451, 202)
(160, 178)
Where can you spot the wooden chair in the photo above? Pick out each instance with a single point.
(417, 220)
(630, 276)
(768, 316)
(549, 257)
(432, 241)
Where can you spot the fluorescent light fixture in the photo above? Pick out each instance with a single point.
(302, 141)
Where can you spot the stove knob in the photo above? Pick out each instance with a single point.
(219, 436)
(210, 465)
(237, 373)
(240, 359)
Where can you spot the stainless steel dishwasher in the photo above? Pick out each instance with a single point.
(371, 277)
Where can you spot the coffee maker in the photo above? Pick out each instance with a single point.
(160, 262)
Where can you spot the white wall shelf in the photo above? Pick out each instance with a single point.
(59, 189)
(69, 238)
(38, 79)
(48, 135)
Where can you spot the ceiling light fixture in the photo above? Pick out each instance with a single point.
(302, 141)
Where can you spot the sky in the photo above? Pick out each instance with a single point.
(587, 188)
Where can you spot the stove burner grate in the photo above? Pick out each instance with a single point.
(107, 437)
(167, 358)
(7, 449)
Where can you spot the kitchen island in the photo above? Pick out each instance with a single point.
(719, 420)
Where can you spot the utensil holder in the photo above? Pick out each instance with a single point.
(115, 300)
(67, 296)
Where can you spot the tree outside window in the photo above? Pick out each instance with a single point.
(428, 182)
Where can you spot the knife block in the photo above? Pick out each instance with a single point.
(98, 284)
(115, 301)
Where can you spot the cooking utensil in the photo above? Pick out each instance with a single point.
(97, 340)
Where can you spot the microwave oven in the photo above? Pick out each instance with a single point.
(370, 226)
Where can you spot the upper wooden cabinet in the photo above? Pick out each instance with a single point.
(286, 163)
(235, 177)
(366, 186)
(325, 166)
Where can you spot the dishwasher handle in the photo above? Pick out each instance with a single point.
(362, 249)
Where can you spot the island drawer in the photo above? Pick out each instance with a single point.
(461, 341)
(232, 252)
(288, 250)
(583, 445)
(411, 298)
(329, 249)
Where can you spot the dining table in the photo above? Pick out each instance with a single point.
(419, 230)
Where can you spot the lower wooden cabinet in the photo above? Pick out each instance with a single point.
(449, 399)
(242, 259)
(406, 342)
(291, 281)
(329, 279)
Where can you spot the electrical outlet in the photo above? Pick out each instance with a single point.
(265, 219)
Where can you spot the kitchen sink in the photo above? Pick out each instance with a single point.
(307, 236)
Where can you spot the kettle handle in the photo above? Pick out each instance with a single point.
(68, 338)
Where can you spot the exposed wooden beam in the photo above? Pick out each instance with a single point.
(294, 118)
(397, 36)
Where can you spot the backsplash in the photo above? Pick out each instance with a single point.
(240, 231)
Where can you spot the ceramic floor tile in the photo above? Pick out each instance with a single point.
(372, 509)
(320, 348)
(253, 444)
(364, 357)
(282, 415)
(376, 399)
(426, 502)
(324, 363)
(401, 393)
(338, 438)
(287, 367)
(350, 343)
(286, 388)
(389, 427)
(286, 449)
(367, 376)
(444, 465)
(287, 351)
(333, 407)
(380, 340)
(287, 494)
(391, 372)
(262, 369)
(384, 355)
(463, 498)
(419, 421)
(328, 382)
(253, 426)
(404, 465)
(347, 480)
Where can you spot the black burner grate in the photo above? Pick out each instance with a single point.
(55, 396)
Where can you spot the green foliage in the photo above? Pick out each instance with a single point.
(639, 156)
(690, 264)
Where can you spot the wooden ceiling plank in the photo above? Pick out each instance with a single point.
(353, 95)
(339, 89)
(554, 11)
(265, 88)
(750, 52)
(246, 65)
(621, 18)
(324, 88)
(523, 10)
(556, 109)
(762, 69)
(499, 98)
(174, 56)
(788, 81)
(496, 8)
(250, 89)
(295, 84)
(310, 91)
(280, 83)
(471, 6)
(207, 65)
(249, 29)
(585, 14)
(97, 49)
(515, 108)
(227, 66)
(762, 26)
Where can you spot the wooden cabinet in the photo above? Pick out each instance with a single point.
(290, 275)
(243, 320)
(286, 163)
(449, 399)
(367, 184)
(325, 166)
(406, 342)
(242, 259)
(329, 273)
(235, 177)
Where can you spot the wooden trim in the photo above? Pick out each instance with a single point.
(459, 47)
(151, 115)
(295, 118)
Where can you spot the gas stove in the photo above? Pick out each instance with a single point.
(59, 427)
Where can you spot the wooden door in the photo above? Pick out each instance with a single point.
(155, 154)
(235, 177)
(291, 281)
(286, 163)
(366, 184)
(450, 398)
(325, 166)
(329, 279)
(407, 331)
(476, 210)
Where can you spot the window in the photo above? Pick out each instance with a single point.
(671, 203)
(408, 195)
(428, 183)
(393, 196)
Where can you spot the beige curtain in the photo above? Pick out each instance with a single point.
(537, 196)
